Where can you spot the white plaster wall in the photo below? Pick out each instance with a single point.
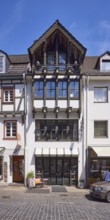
(62, 103)
(9, 108)
(19, 89)
(74, 103)
(38, 103)
(50, 103)
(21, 105)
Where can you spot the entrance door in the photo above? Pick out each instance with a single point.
(18, 168)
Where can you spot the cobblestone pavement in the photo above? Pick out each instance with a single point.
(18, 203)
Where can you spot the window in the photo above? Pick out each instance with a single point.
(105, 65)
(1, 64)
(57, 130)
(51, 61)
(62, 89)
(50, 87)
(98, 166)
(39, 88)
(100, 129)
(62, 61)
(100, 94)
(10, 129)
(74, 89)
(8, 95)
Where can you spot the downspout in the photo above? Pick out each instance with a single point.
(83, 126)
(25, 112)
(87, 153)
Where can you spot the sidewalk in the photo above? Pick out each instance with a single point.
(21, 187)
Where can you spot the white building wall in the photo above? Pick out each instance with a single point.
(98, 111)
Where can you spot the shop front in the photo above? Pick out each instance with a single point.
(99, 161)
(58, 168)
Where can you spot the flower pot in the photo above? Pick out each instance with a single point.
(31, 182)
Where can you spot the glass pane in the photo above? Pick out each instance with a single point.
(100, 94)
(66, 166)
(38, 167)
(59, 165)
(62, 58)
(64, 85)
(51, 59)
(64, 93)
(105, 65)
(53, 167)
(100, 129)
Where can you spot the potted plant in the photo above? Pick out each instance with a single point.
(30, 179)
(81, 183)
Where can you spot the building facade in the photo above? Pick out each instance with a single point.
(50, 111)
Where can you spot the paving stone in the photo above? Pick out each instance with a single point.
(76, 205)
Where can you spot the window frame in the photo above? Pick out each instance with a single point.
(50, 66)
(11, 136)
(39, 89)
(101, 87)
(74, 90)
(63, 89)
(50, 89)
(96, 129)
(56, 130)
(62, 66)
(4, 89)
(104, 67)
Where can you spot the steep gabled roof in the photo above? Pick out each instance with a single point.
(57, 26)
(19, 58)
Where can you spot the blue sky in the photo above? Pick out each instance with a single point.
(23, 21)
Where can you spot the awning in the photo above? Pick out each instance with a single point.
(2, 150)
(56, 152)
(103, 151)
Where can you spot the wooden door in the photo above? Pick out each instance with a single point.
(18, 168)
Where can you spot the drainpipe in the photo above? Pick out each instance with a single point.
(25, 112)
(83, 126)
(87, 153)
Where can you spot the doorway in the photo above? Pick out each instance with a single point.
(18, 169)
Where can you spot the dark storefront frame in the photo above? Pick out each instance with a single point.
(58, 170)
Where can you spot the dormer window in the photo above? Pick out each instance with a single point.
(1, 64)
(105, 64)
